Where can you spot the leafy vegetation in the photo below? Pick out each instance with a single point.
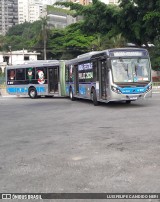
(101, 26)
(59, 10)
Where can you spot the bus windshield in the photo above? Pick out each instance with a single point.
(130, 70)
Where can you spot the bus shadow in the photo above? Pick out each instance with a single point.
(116, 104)
(40, 97)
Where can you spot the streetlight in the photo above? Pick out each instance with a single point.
(10, 48)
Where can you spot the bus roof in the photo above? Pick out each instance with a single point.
(107, 52)
(88, 54)
(37, 63)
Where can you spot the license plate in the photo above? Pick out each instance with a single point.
(133, 98)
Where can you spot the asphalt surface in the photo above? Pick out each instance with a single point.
(55, 145)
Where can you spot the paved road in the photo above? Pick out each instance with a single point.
(56, 145)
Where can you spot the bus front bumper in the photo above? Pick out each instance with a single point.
(131, 97)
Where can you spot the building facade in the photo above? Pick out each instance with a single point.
(32, 10)
(82, 2)
(8, 15)
(16, 57)
(87, 2)
(110, 1)
(13, 12)
(35, 12)
(23, 11)
(29, 10)
(60, 20)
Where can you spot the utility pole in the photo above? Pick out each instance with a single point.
(44, 31)
(45, 41)
(10, 49)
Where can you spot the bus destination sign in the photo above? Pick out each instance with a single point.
(127, 53)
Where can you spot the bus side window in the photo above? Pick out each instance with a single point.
(71, 74)
(30, 74)
(81, 73)
(89, 72)
(95, 70)
(20, 74)
(41, 75)
(11, 74)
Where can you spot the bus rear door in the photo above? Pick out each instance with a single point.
(53, 79)
(76, 80)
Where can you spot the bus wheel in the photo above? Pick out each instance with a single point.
(128, 101)
(94, 98)
(71, 94)
(32, 93)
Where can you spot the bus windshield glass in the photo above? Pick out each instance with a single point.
(130, 70)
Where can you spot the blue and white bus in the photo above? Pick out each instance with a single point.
(39, 78)
(122, 74)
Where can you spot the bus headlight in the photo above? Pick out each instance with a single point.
(149, 88)
(115, 89)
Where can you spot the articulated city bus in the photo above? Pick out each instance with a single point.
(39, 78)
(122, 74)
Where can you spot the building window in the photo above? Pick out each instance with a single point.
(6, 59)
(20, 74)
(26, 57)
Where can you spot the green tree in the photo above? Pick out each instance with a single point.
(133, 24)
(44, 35)
(102, 42)
(18, 30)
(2, 42)
(56, 42)
(102, 26)
(69, 42)
(77, 41)
(97, 17)
(23, 36)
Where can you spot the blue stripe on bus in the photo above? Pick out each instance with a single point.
(41, 89)
(125, 90)
(24, 90)
(17, 90)
(67, 89)
(131, 90)
(82, 90)
(11, 90)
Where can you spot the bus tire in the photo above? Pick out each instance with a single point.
(94, 97)
(71, 95)
(32, 93)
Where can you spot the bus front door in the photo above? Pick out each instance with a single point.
(76, 80)
(53, 80)
(102, 79)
